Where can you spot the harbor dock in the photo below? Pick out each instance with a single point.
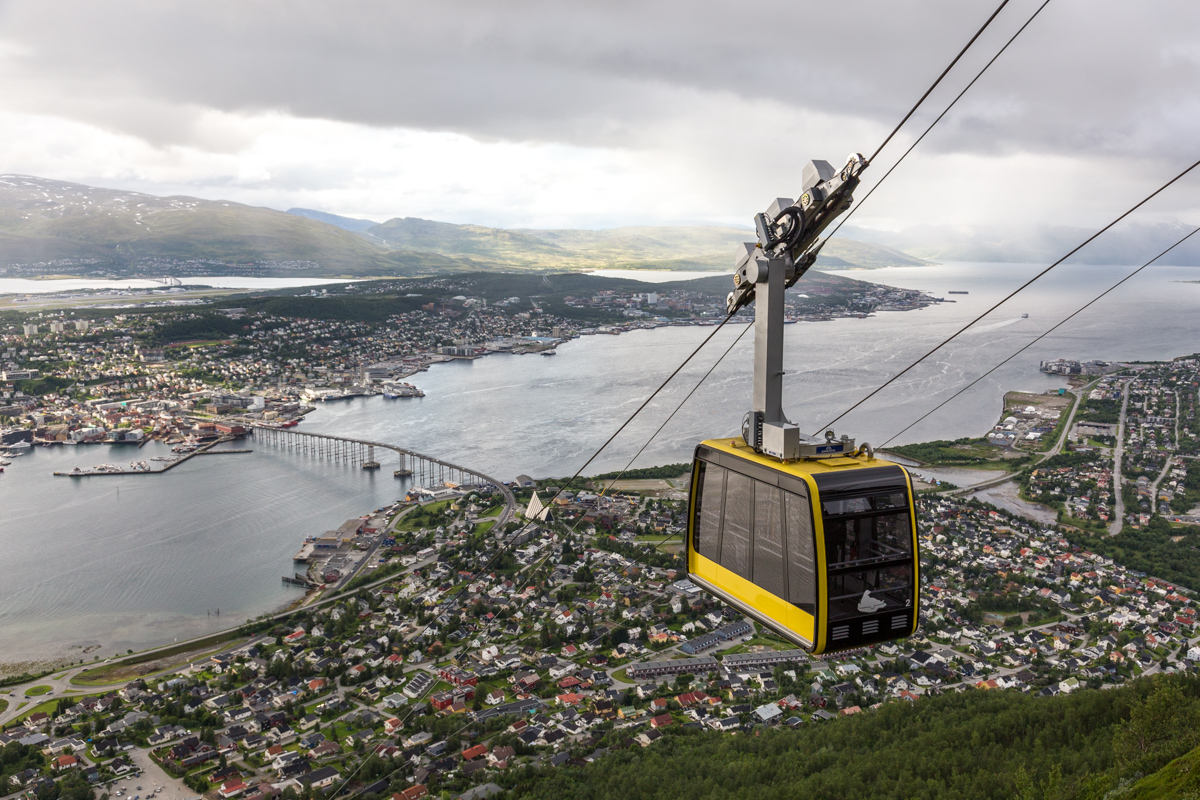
(106, 469)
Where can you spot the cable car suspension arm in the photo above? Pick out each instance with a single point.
(788, 244)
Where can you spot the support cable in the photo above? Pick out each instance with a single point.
(953, 102)
(1009, 296)
(654, 435)
(945, 72)
(1073, 314)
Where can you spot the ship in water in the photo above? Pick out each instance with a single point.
(394, 390)
(327, 395)
(957, 291)
(1024, 316)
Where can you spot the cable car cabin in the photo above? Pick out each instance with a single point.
(822, 551)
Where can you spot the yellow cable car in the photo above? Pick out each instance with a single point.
(815, 539)
(824, 552)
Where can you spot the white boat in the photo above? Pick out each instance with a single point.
(324, 395)
(394, 390)
(19, 446)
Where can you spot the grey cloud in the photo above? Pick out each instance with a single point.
(741, 94)
(1096, 77)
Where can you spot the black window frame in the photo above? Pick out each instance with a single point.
(786, 486)
(866, 483)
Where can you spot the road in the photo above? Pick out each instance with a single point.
(1171, 457)
(1080, 395)
(1118, 522)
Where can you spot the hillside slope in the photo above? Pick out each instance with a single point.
(1179, 780)
(44, 219)
(345, 223)
(979, 745)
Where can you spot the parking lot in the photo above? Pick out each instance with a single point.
(154, 780)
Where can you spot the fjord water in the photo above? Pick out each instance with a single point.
(49, 285)
(128, 562)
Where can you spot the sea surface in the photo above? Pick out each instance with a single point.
(134, 561)
(655, 275)
(49, 286)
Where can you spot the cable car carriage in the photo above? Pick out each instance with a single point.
(815, 539)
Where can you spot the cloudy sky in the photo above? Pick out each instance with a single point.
(609, 113)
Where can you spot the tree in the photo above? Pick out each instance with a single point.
(1162, 728)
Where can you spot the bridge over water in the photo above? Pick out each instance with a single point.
(423, 469)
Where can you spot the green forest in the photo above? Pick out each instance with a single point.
(1151, 550)
(666, 471)
(975, 745)
(1106, 412)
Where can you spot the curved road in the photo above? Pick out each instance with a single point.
(1118, 455)
(1053, 451)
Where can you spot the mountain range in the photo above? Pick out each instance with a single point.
(53, 227)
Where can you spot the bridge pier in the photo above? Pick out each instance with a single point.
(421, 469)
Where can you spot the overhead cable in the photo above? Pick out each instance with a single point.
(1046, 333)
(858, 204)
(1008, 297)
(945, 72)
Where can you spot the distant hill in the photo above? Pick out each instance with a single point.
(491, 245)
(663, 247)
(54, 227)
(46, 220)
(345, 223)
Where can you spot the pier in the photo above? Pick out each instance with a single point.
(301, 580)
(170, 465)
(422, 469)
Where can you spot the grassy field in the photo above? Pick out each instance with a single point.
(3, 706)
(148, 663)
(758, 641)
(415, 520)
(50, 706)
(966, 453)
(34, 691)
(670, 543)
